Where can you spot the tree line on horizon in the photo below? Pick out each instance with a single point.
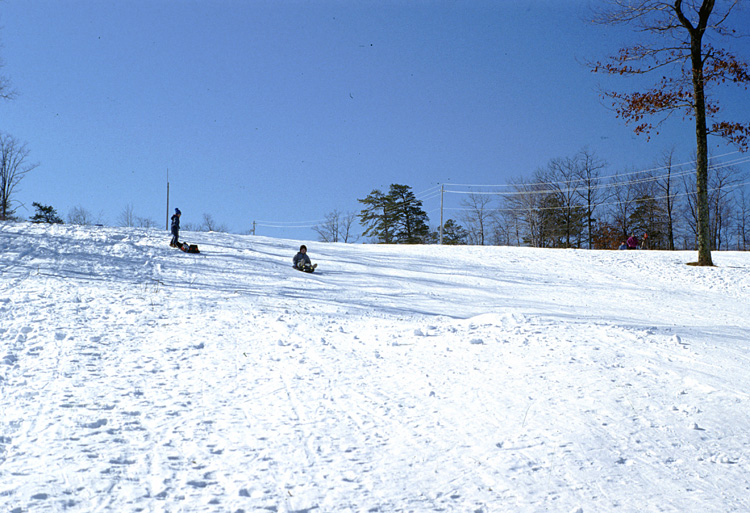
(569, 203)
(127, 219)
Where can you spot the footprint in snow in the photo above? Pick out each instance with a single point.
(677, 340)
(95, 425)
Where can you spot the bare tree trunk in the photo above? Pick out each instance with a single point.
(701, 132)
(704, 225)
(666, 187)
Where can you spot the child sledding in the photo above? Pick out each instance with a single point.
(302, 262)
(175, 243)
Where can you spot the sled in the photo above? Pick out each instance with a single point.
(187, 248)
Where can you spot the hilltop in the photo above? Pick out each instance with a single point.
(135, 377)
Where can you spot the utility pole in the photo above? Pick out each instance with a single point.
(167, 199)
(442, 190)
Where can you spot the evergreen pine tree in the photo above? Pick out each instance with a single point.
(45, 214)
(377, 217)
(411, 220)
(396, 217)
(454, 234)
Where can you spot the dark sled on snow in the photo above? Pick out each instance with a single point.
(187, 248)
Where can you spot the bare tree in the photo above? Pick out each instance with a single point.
(723, 182)
(209, 225)
(127, 217)
(6, 90)
(347, 227)
(648, 217)
(623, 203)
(79, 215)
(564, 211)
(145, 222)
(743, 220)
(687, 66)
(13, 168)
(664, 183)
(590, 188)
(478, 217)
(526, 206)
(329, 230)
(505, 228)
(337, 227)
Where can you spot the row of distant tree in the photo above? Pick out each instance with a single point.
(395, 217)
(572, 202)
(127, 218)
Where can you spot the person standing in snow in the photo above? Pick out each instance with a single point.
(175, 228)
(302, 261)
(633, 242)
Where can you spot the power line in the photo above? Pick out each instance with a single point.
(535, 208)
(285, 224)
(438, 190)
(517, 192)
(641, 171)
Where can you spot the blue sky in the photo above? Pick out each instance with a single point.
(282, 111)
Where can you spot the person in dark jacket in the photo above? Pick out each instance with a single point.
(302, 261)
(175, 228)
(632, 242)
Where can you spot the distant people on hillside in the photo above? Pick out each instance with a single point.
(302, 261)
(644, 241)
(632, 242)
(175, 228)
(624, 245)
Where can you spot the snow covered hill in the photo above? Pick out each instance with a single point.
(135, 377)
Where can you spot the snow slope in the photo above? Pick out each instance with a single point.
(134, 377)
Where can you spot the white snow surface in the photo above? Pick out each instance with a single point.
(138, 378)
